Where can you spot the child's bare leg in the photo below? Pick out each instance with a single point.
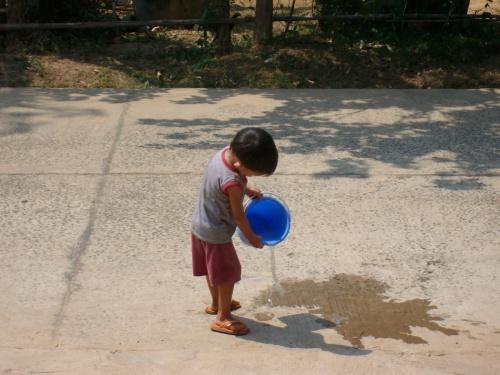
(224, 322)
(225, 294)
(214, 294)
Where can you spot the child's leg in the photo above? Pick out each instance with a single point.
(214, 293)
(212, 309)
(224, 322)
(225, 294)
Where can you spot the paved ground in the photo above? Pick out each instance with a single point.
(395, 201)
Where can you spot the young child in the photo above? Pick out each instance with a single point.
(219, 211)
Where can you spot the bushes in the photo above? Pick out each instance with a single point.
(55, 11)
(398, 8)
(336, 7)
(332, 7)
(68, 10)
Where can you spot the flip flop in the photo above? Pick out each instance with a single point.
(235, 305)
(230, 327)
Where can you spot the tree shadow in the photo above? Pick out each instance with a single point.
(396, 128)
(13, 69)
(345, 167)
(459, 184)
(23, 110)
(457, 131)
(298, 333)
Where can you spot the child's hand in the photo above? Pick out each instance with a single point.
(256, 242)
(253, 192)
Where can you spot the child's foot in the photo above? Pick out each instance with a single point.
(230, 327)
(235, 305)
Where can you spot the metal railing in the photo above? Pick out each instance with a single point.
(443, 18)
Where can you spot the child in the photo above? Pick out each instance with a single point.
(219, 211)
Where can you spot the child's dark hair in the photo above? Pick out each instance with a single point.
(256, 150)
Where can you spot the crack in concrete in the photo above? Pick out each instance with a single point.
(79, 250)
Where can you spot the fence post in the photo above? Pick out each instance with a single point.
(263, 21)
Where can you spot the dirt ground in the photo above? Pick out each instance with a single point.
(478, 5)
(304, 59)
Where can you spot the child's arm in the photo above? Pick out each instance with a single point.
(235, 201)
(253, 192)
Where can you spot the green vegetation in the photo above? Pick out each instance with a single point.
(362, 55)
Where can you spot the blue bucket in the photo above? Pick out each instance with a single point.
(269, 218)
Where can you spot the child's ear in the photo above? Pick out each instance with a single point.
(237, 164)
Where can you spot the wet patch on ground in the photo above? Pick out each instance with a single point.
(357, 307)
(263, 316)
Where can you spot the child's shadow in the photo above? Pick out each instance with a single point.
(298, 333)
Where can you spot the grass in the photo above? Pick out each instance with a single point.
(368, 56)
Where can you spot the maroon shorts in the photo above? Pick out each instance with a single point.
(219, 261)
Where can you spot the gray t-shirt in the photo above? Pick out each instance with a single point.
(212, 218)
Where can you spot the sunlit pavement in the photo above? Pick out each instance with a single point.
(392, 264)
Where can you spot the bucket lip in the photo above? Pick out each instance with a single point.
(287, 210)
(266, 195)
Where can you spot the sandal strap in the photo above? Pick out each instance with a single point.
(233, 323)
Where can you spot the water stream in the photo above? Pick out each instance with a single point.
(276, 290)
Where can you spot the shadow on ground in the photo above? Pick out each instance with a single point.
(21, 112)
(396, 128)
(392, 127)
(298, 333)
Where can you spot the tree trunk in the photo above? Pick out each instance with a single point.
(461, 6)
(263, 21)
(3, 12)
(17, 11)
(220, 9)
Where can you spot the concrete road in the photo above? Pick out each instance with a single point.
(392, 265)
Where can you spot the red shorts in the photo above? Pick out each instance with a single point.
(219, 261)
